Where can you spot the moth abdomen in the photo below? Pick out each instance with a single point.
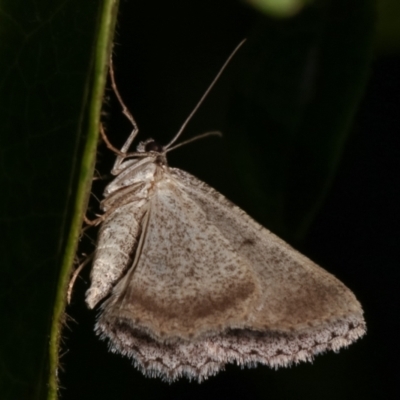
(116, 244)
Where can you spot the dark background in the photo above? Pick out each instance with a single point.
(164, 59)
(309, 111)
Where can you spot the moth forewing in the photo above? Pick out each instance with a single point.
(211, 286)
(282, 269)
(190, 287)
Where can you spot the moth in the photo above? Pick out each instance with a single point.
(189, 282)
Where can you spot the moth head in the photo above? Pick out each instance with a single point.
(154, 150)
(148, 146)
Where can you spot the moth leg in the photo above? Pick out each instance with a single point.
(125, 110)
(109, 145)
(123, 153)
(93, 222)
(75, 275)
(100, 218)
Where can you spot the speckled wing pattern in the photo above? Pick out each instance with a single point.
(200, 284)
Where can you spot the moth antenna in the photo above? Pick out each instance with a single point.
(202, 136)
(204, 95)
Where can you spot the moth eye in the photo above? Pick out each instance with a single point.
(153, 146)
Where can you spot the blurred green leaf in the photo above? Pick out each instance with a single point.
(53, 57)
(279, 8)
(294, 108)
